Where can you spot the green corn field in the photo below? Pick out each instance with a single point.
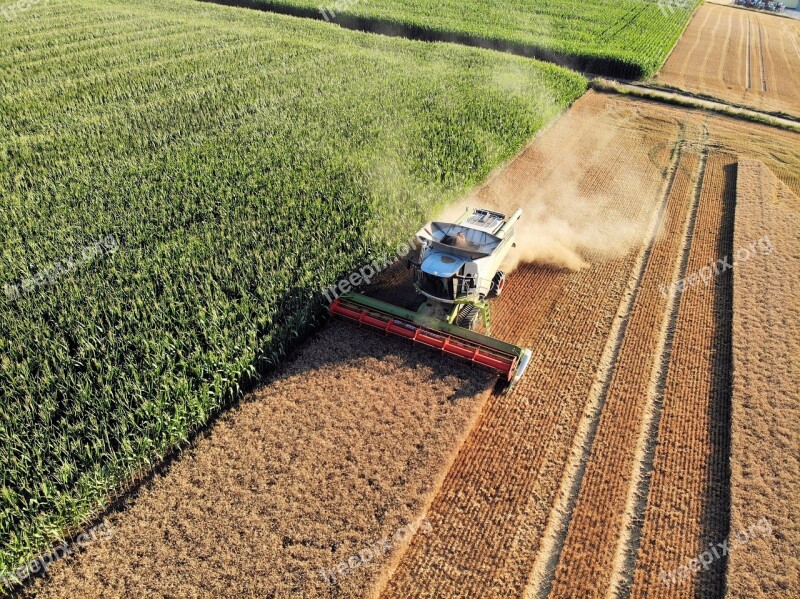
(178, 180)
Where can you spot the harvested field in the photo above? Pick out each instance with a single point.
(305, 473)
(766, 402)
(588, 553)
(740, 56)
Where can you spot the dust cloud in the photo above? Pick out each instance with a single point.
(575, 214)
(563, 227)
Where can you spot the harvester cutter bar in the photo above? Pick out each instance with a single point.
(481, 350)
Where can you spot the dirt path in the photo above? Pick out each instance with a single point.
(648, 91)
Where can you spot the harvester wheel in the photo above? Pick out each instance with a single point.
(498, 282)
(467, 317)
(415, 302)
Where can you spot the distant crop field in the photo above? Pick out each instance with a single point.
(744, 57)
(178, 180)
(629, 38)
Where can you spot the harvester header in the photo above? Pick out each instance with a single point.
(457, 271)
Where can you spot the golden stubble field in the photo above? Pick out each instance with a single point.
(741, 56)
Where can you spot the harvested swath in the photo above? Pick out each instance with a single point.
(765, 440)
(341, 449)
(744, 57)
(493, 505)
(242, 161)
(687, 504)
(586, 562)
(627, 38)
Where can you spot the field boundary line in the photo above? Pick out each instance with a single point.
(705, 96)
(689, 102)
(639, 489)
(541, 577)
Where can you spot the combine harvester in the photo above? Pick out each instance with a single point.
(458, 270)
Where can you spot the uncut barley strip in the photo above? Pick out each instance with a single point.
(765, 403)
(586, 561)
(688, 500)
(541, 577)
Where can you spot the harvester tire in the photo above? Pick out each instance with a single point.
(467, 317)
(498, 282)
(414, 303)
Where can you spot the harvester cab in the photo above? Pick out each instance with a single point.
(459, 266)
(457, 271)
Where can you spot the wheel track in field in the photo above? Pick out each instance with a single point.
(587, 557)
(748, 77)
(761, 55)
(541, 578)
(628, 546)
(689, 496)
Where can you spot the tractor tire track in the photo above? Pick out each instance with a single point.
(763, 62)
(748, 76)
(587, 559)
(629, 541)
(541, 578)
